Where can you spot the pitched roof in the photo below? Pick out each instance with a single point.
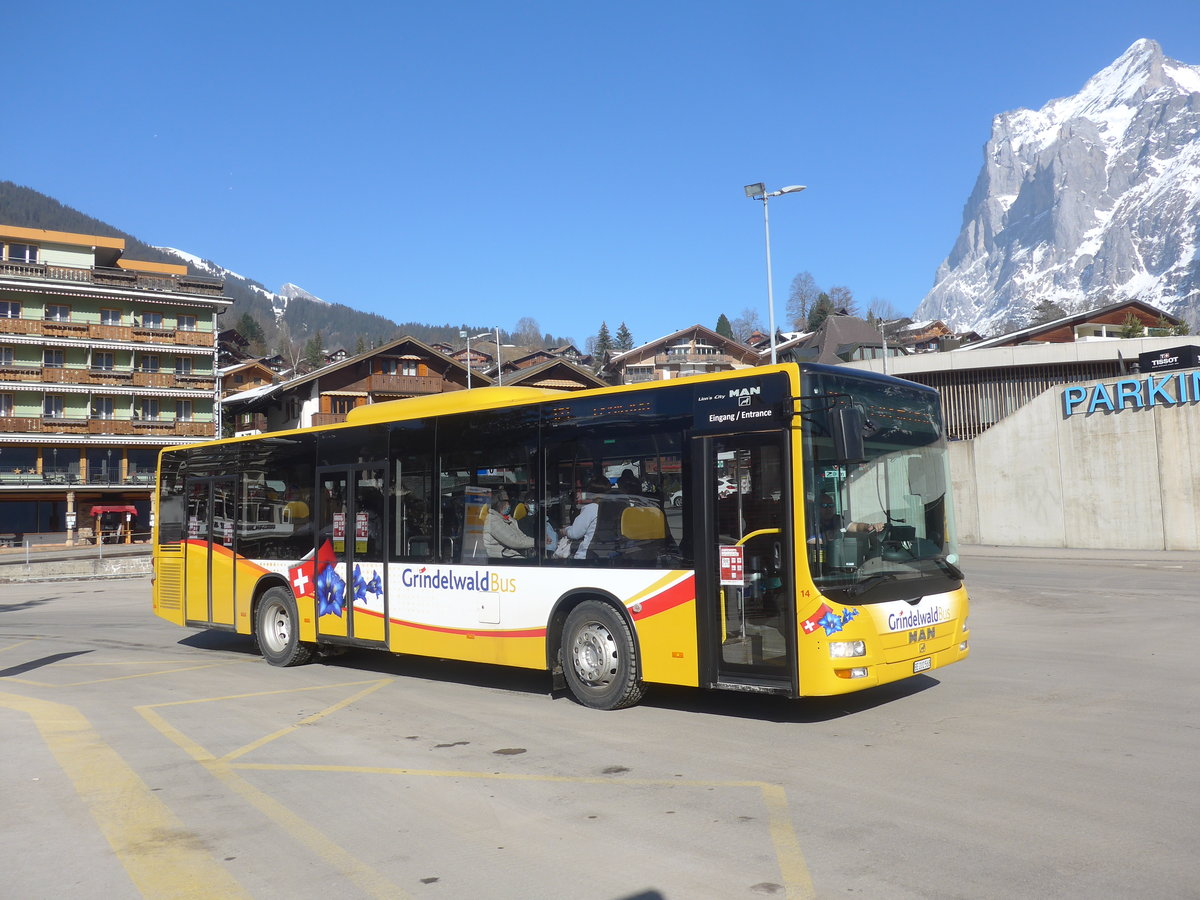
(383, 350)
(729, 346)
(561, 374)
(1030, 333)
(836, 336)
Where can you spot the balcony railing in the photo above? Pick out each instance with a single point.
(72, 328)
(328, 418)
(97, 376)
(406, 385)
(22, 477)
(142, 281)
(102, 426)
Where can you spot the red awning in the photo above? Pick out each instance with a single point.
(99, 510)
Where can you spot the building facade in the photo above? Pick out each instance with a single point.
(691, 351)
(1083, 443)
(103, 361)
(405, 367)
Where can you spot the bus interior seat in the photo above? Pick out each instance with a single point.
(644, 528)
(605, 540)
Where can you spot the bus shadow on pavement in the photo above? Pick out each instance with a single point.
(763, 707)
(220, 640)
(768, 708)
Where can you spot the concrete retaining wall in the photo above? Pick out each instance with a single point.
(82, 568)
(1121, 480)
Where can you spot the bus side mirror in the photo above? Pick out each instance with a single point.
(846, 425)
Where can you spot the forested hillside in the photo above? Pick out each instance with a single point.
(301, 320)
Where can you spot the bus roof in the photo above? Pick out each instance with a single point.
(492, 397)
(450, 402)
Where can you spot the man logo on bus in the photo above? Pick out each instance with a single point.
(745, 393)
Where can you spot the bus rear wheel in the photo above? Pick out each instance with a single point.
(276, 629)
(600, 657)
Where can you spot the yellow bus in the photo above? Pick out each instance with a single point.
(785, 530)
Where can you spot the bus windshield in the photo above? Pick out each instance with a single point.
(879, 516)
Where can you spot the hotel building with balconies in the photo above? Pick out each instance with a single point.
(103, 362)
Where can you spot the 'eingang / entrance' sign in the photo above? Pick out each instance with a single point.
(1133, 393)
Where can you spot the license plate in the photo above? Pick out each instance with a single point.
(922, 664)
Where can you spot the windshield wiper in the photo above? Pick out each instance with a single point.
(869, 584)
(948, 567)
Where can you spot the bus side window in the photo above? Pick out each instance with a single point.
(413, 502)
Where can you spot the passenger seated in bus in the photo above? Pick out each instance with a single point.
(528, 518)
(502, 538)
(583, 529)
(628, 483)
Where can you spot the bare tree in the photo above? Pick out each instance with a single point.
(843, 298)
(804, 294)
(528, 332)
(746, 324)
(882, 309)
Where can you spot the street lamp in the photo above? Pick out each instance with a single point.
(463, 334)
(759, 192)
(499, 373)
(475, 337)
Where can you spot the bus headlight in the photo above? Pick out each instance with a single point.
(845, 649)
(964, 623)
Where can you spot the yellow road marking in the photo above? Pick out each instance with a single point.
(161, 857)
(341, 704)
(797, 881)
(65, 684)
(17, 644)
(367, 879)
(796, 877)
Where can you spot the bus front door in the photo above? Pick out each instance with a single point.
(351, 601)
(211, 506)
(748, 562)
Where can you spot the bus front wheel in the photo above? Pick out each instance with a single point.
(599, 657)
(276, 629)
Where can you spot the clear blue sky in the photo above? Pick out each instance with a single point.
(574, 162)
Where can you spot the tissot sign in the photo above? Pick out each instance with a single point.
(1187, 357)
(1133, 393)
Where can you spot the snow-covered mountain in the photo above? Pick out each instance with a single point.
(279, 300)
(294, 291)
(1090, 200)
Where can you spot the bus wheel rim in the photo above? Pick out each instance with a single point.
(594, 653)
(279, 626)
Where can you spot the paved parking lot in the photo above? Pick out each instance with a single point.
(1060, 759)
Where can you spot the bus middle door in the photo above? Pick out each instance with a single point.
(744, 563)
(211, 508)
(351, 505)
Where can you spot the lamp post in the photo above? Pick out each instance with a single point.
(475, 337)
(463, 334)
(759, 192)
(499, 372)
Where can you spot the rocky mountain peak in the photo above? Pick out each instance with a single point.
(1092, 199)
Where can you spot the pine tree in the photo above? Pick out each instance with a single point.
(624, 339)
(1046, 311)
(821, 310)
(313, 352)
(247, 326)
(1132, 327)
(602, 347)
(723, 327)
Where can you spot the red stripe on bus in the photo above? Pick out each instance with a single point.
(676, 595)
(475, 632)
